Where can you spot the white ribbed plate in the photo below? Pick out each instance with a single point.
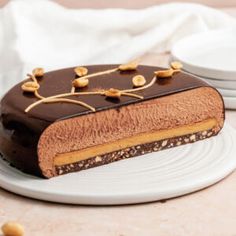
(151, 177)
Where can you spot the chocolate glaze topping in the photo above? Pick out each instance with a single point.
(24, 129)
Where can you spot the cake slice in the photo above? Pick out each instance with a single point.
(77, 118)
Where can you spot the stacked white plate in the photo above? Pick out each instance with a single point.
(212, 57)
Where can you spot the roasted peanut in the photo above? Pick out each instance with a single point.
(138, 81)
(176, 65)
(38, 72)
(129, 66)
(30, 87)
(81, 71)
(13, 229)
(165, 73)
(80, 82)
(113, 93)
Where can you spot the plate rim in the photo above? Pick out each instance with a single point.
(217, 74)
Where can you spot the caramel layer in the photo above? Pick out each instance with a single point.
(76, 156)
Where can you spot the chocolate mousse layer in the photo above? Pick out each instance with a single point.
(34, 141)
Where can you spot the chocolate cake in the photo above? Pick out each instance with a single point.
(77, 118)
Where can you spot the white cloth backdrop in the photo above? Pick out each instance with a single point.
(42, 33)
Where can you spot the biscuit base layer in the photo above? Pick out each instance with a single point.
(135, 146)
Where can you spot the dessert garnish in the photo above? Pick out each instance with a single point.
(112, 93)
(176, 65)
(138, 81)
(82, 81)
(116, 93)
(30, 86)
(38, 72)
(129, 66)
(81, 71)
(166, 73)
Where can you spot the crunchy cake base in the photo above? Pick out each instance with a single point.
(134, 151)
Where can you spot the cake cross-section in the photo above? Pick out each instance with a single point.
(77, 118)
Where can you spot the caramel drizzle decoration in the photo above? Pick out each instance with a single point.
(82, 81)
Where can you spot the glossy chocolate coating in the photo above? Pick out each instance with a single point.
(20, 131)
